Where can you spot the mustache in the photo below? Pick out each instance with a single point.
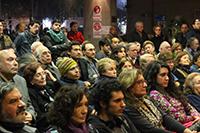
(20, 110)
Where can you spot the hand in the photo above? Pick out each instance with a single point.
(50, 76)
(196, 118)
(187, 130)
(28, 118)
(87, 84)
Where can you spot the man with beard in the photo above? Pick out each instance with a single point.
(8, 73)
(105, 49)
(25, 39)
(12, 111)
(108, 101)
(55, 40)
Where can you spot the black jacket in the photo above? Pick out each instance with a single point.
(144, 126)
(106, 127)
(41, 101)
(134, 36)
(9, 127)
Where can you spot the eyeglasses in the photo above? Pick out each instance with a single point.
(140, 82)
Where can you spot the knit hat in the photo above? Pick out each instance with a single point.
(39, 50)
(64, 64)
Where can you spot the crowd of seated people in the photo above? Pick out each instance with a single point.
(58, 82)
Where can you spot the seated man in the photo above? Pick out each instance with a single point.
(8, 73)
(12, 111)
(108, 101)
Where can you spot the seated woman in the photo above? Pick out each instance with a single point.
(141, 111)
(41, 93)
(196, 63)
(192, 89)
(124, 63)
(118, 53)
(69, 110)
(166, 96)
(182, 68)
(107, 70)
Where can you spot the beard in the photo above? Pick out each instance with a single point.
(19, 118)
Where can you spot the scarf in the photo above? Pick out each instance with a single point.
(57, 37)
(151, 113)
(80, 129)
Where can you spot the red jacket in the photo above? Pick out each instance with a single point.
(76, 36)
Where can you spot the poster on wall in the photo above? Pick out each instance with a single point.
(97, 28)
(97, 13)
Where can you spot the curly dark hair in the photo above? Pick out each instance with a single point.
(150, 74)
(115, 51)
(103, 93)
(61, 110)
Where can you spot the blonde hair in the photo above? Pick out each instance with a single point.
(102, 63)
(189, 83)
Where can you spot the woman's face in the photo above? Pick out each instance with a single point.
(139, 87)
(121, 53)
(110, 70)
(162, 78)
(196, 84)
(178, 49)
(73, 73)
(127, 65)
(149, 49)
(80, 112)
(185, 60)
(197, 62)
(39, 78)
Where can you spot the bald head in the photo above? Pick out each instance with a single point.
(164, 47)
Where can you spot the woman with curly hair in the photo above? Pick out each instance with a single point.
(69, 110)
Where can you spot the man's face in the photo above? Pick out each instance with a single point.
(116, 104)
(1, 28)
(157, 31)
(75, 52)
(90, 51)
(184, 28)
(106, 48)
(34, 29)
(133, 51)
(74, 28)
(165, 47)
(45, 57)
(8, 62)
(13, 108)
(196, 25)
(195, 44)
(56, 27)
(139, 26)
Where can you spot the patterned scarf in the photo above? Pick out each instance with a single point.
(151, 113)
(57, 37)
